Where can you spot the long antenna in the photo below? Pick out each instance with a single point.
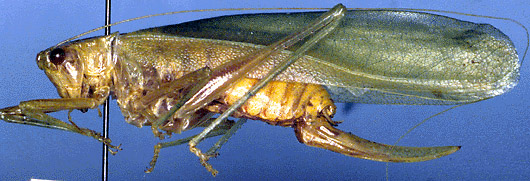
(105, 157)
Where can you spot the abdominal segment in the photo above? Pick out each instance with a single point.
(278, 103)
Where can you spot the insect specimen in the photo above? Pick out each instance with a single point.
(364, 90)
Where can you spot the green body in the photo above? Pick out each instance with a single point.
(169, 77)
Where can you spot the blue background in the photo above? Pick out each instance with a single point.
(494, 134)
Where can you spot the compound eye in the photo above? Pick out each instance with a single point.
(57, 56)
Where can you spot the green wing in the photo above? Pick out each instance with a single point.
(383, 57)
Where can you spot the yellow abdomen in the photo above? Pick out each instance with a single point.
(280, 103)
